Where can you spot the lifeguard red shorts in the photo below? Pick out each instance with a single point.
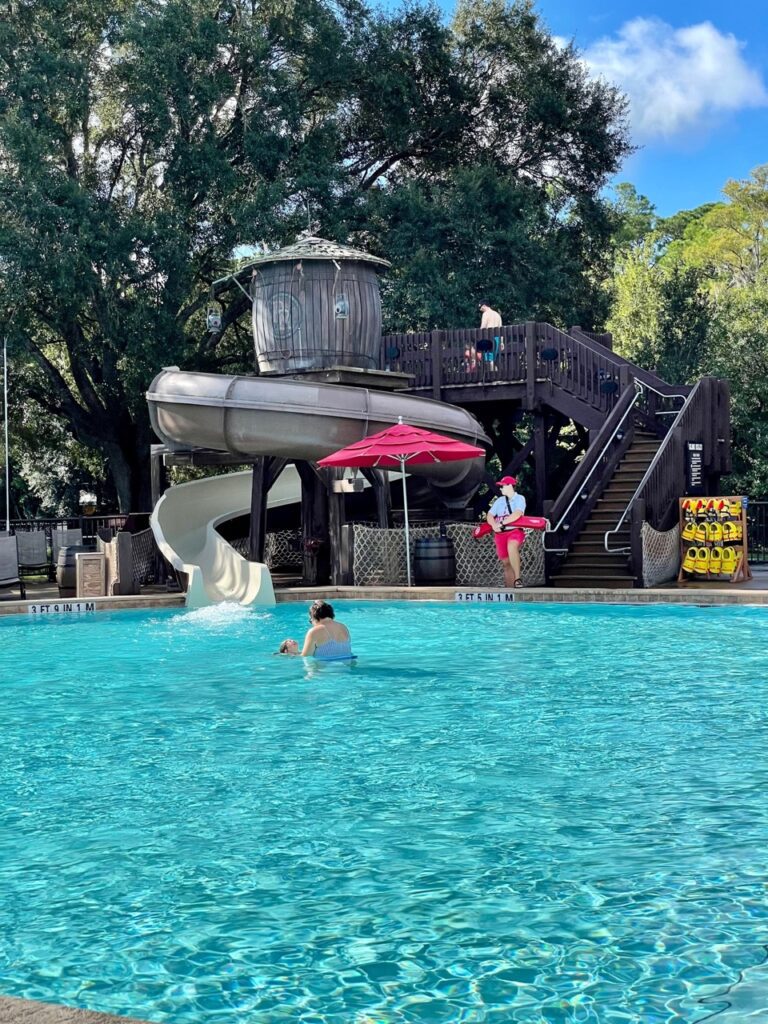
(502, 541)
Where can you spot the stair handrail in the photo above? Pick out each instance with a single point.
(638, 372)
(661, 454)
(613, 431)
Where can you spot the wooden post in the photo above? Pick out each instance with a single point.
(159, 475)
(540, 457)
(258, 527)
(530, 364)
(550, 559)
(636, 540)
(266, 470)
(437, 340)
(724, 426)
(314, 525)
(336, 522)
(379, 481)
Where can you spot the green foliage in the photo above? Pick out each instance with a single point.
(692, 298)
(635, 215)
(142, 141)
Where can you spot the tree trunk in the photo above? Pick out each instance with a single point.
(128, 465)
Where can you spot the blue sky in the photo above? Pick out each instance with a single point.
(696, 72)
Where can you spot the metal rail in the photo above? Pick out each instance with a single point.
(660, 454)
(555, 529)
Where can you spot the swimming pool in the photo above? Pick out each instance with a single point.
(528, 813)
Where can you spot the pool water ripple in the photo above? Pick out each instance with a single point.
(501, 814)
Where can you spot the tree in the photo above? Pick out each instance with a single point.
(636, 216)
(730, 239)
(142, 141)
(662, 314)
(740, 354)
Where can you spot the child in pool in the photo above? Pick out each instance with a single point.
(289, 647)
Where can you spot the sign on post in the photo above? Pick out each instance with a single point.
(694, 467)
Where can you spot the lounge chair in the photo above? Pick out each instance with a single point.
(9, 566)
(62, 539)
(33, 552)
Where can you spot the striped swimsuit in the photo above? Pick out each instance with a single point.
(335, 650)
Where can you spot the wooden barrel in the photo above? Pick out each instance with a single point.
(434, 561)
(329, 314)
(66, 569)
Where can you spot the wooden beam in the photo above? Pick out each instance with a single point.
(514, 466)
(266, 470)
(437, 342)
(530, 364)
(159, 474)
(258, 527)
(336, 521)
(379, 481)
(540, 457)
(314, 525)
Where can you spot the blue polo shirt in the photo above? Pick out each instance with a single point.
(499, 508)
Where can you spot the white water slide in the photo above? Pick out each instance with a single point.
(293, 419)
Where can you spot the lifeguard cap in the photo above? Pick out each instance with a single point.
(507, 480)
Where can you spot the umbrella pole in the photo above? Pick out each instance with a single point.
(407, 533)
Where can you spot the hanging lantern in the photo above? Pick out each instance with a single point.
(213, 319)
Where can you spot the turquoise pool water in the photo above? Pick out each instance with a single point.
(502, 814)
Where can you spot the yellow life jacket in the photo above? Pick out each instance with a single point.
(735, 507)
(729, 561)
(689, 562)
(731, 532)
(702, 562)
(702, 533)
(715, 533)
(715, 561)
(689, 530)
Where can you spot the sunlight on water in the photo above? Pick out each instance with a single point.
(500, 814)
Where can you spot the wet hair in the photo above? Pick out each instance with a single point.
(321, 610)
(283, 648)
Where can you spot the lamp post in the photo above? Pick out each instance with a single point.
(5, 421)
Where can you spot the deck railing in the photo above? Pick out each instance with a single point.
(757, 531)
(705, 420)
(527, 354)
(568, 513)
(90, 525)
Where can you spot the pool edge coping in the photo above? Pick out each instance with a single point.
(488, 595)
(100, 604)
(527, 595)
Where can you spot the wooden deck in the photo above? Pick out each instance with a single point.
(532, 363)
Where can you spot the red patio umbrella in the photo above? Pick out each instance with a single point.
(396, 446)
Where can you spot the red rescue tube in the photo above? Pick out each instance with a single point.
(527, 522)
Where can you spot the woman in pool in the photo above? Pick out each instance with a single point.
(326, 639)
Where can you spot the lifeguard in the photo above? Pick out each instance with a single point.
(502, 515)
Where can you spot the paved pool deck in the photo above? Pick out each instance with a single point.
(27, 1011)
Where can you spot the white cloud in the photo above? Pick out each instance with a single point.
(677, 79)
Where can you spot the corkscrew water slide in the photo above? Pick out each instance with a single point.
(285, 417)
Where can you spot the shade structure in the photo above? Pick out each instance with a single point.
(397, 446)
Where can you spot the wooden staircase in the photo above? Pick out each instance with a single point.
(588, 564)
